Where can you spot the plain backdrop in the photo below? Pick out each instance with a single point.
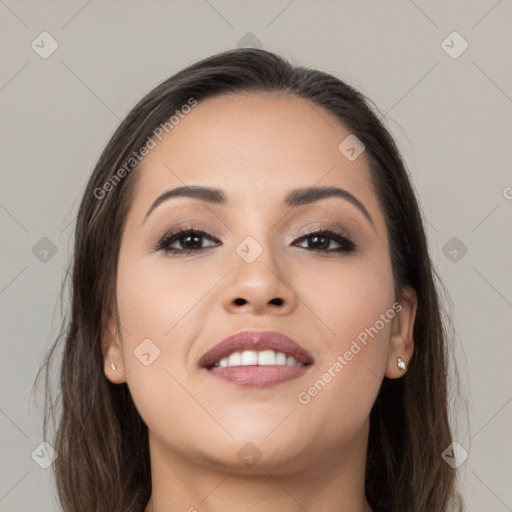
(441, 74)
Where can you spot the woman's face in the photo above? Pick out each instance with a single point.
(257, 270)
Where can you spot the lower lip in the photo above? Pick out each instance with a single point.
(258, 376)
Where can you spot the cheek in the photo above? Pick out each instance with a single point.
(355, 309)
(162, 309)
(158, 300)
(350, 299)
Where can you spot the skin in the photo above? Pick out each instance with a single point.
(255, 147)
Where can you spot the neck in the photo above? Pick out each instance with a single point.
(330, 480)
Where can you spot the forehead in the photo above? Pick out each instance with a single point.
(255, 146)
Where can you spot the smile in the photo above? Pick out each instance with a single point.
(263, 358)
(258, 359)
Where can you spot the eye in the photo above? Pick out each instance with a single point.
(321, 241)
(190, 240)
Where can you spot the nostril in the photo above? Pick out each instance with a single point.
(278, 301)
(240, 302)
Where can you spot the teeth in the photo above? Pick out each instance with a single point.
(266, 357)
(280, 358)
(248, 357)
(263, 358)
(290, 361)
(233, 359)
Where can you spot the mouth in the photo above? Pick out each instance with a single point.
(257, 358)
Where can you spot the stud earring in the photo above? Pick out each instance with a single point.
(401, 364)
(113, 366)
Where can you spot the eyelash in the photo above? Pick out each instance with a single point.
(347, 246)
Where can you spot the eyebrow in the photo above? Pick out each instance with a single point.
(293, 199)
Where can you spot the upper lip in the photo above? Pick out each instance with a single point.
(257, 341)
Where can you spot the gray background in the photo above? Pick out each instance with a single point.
(452, 119)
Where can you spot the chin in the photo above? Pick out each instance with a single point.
(257, 456)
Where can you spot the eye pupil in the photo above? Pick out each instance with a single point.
(316, 244)
(197, 241)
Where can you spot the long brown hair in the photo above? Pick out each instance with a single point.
(101, 440)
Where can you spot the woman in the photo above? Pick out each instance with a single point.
(255, 323)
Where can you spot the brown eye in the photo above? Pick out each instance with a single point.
(321, 241)
(189, 241)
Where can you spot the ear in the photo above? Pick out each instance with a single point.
(402, 342)
(112, 351)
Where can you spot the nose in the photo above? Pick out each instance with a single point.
(261, 287)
